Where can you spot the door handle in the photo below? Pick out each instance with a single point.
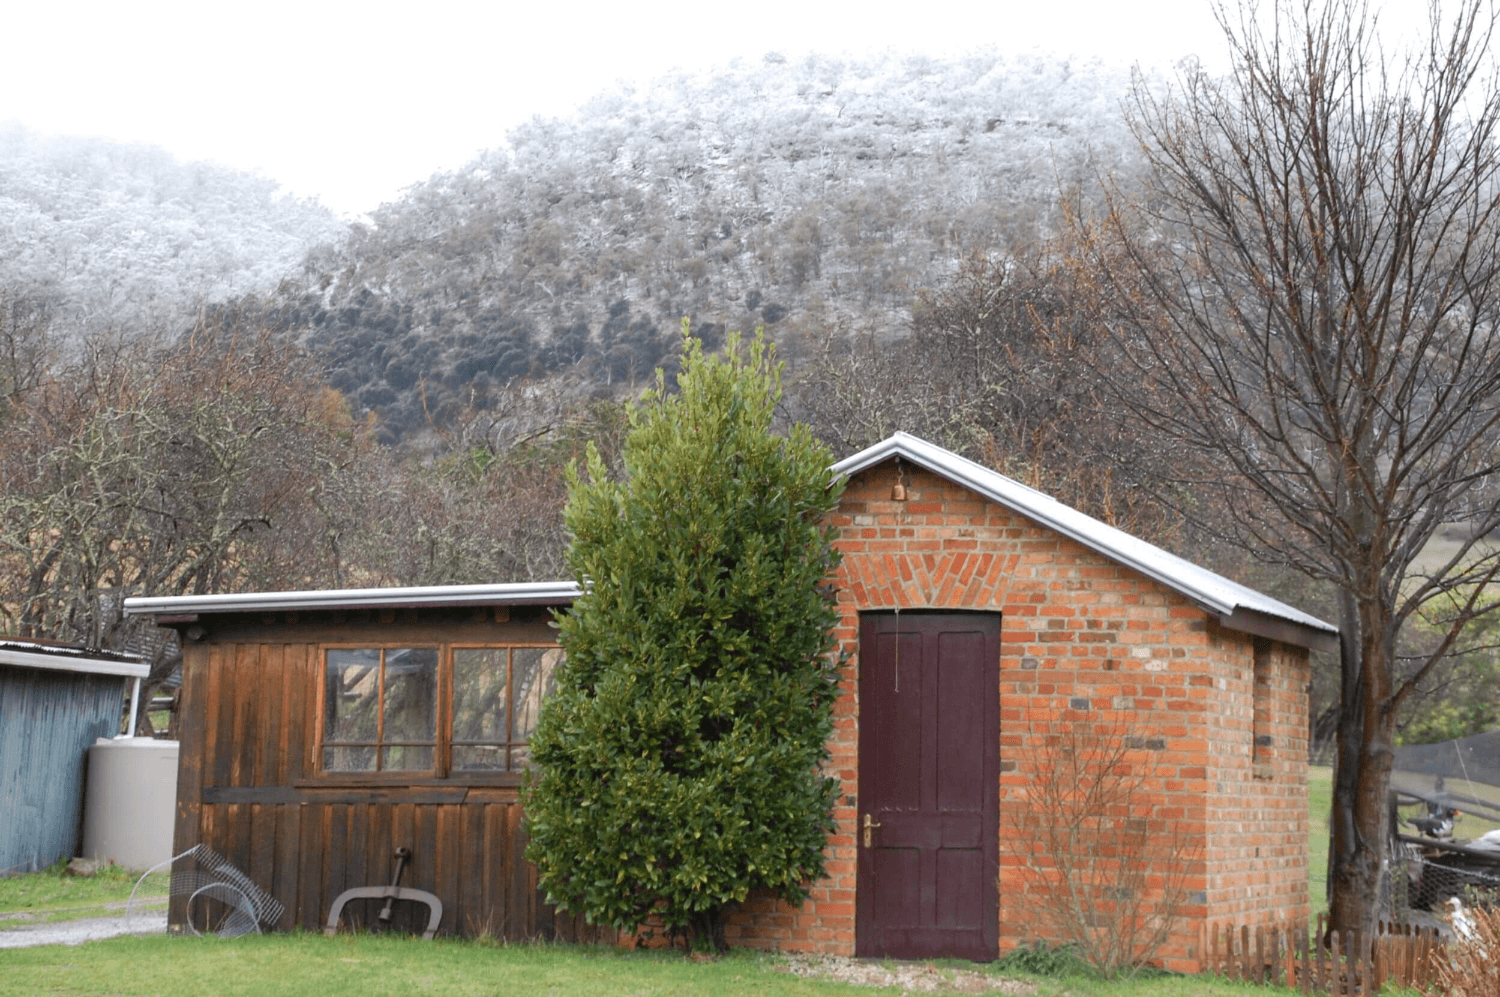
(870, 825)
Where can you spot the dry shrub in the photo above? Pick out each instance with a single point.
(1472, 968)
(1105, 874)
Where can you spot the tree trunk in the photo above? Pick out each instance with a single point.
(708, 930)
(1358, 857)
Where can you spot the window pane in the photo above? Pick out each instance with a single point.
(478, 757)
(381, 707)
(406, 758)
(479, 697)
(534, 671)
(351, 696)
(349, 759)
(410, 694)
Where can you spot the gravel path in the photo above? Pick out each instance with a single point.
(922, 977)
(13, 936)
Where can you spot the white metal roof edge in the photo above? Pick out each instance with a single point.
(509, 593)
(73, 663)
(1208, 589)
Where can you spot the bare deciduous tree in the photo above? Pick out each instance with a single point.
(141, 469)
(1307, 291)
(484, 506)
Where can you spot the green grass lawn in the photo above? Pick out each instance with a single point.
(371, 966)
(51, 896)
(367, 966)
(1319, 803)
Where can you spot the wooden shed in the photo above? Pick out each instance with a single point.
(981, 620)
(55, 700)
(321, 731)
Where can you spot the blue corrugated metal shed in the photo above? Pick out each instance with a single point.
(54, 702)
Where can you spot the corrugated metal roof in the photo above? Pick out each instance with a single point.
(66, 658)
(508, 594)
(1213, 592)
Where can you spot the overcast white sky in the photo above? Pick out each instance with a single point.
(353, 101)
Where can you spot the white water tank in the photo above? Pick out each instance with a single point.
(130, 801)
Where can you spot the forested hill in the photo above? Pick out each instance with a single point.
(119, 236)
(809, 196)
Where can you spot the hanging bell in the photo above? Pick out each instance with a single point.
(898, 492)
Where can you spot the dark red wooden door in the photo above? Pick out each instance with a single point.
(929, 775)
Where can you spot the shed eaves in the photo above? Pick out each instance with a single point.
(1212, 592)
(505, 594)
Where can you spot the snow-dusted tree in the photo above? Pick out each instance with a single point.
(119, 235)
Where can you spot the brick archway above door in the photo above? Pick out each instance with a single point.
(948, 579)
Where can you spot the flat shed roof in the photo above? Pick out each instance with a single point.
(507, 594)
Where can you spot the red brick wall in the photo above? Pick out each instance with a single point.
(1075, 627)
(1259, 849)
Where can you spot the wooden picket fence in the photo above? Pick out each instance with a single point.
(1350, 963)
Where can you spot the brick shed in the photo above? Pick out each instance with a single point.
(982, 617)
(981, 621)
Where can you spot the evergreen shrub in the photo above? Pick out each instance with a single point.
(678, 761)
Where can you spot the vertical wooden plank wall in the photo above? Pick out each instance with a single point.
(249, 717)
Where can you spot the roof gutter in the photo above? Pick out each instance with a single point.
(508, 594)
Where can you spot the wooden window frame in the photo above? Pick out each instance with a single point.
(442, 773)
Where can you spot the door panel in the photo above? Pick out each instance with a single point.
(929, 752)
(898, 752)
(960, 881)
(895, 884)
(961, 701)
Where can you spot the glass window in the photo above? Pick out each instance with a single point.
(481, 699)
(382, 707)
(497, 694)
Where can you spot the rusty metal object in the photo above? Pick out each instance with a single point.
(390, 894)
(402, 854)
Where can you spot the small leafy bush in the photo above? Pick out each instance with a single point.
(1039, 959)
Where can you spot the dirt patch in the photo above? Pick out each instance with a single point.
(911, 977)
